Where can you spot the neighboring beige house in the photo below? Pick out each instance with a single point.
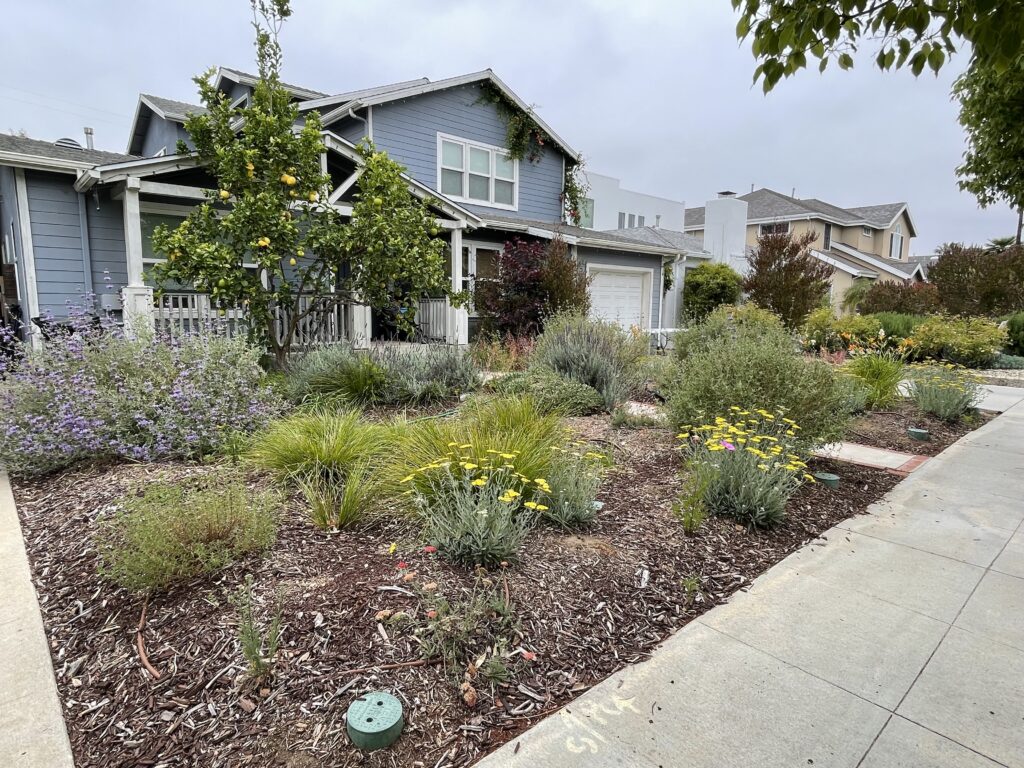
(870, 242)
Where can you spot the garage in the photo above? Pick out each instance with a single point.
(620, 294)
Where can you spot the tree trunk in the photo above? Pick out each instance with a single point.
(1020, 223)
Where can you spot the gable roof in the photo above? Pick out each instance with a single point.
(895, 268)
(577, 235)
(765, 205)
(245, 78)
(23, 152)
(385, 94)
(166, 109)
(659, 236)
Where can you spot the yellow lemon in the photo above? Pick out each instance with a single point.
(292, 261)
(224, 194)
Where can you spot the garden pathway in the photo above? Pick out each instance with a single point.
(32, 733)
(896, 641)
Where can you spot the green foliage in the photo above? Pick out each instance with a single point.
(267, 211)
(335, 501)
(173, 532)
(746, 468)
(384, 375)
(744, 370)
(915, 33)
(595, 353)
(945, 391)
(1009, 363)
(906, 298)
(708, 286)
(1015, 334)
(726, 323)
(977, 281)
(574, 482)
(512, 426)
(991, 113)
(856, 293)
(552, 393)
(475, 621)
(690, 508)
(881, 373)
(853, 394)
(470, 523)
(970, 341)
(501, 353)
(258, 648)
(786, 278)
(899, 325)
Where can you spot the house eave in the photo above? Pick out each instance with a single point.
(40, 163)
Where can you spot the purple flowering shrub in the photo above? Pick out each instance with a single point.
(94, 393)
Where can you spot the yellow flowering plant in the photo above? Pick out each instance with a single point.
(945, 390)
(747, 464)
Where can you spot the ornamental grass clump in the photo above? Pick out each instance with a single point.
(574, 481)
(94, 394)
(946, 390)
(552, 393)
(881, 373)
(746, 466)
(175, 531)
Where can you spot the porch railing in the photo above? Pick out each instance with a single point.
(432, 320)
(177, 314)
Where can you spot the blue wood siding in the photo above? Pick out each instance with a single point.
(408, 130)
(163, 135)
(56, 241)
(623, 259)
(106, 243)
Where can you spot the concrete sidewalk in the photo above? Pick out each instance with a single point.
(899, 642)
(32, 732)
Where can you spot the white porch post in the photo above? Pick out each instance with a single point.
(28, 259)
(361, 326)
(458, 317)
(136, 297)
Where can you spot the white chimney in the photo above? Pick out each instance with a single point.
(725, 230)
(88, 138)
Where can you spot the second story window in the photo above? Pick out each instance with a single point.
(867, 231)
(477, 173)
(775, 228)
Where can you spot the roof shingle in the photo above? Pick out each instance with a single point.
(47, 149)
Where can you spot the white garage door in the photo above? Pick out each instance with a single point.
(618, 297)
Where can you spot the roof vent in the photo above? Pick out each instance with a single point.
(726, 193)
(68, 143)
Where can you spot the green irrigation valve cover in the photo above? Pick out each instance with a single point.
(917, 433)
(374, 720)
(827, 479)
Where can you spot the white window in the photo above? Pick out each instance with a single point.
(827, 242)
(639, 221)
(587, 213)
(775, 228)
(867, 231)
(896, 243)
(632, 220)
(622, 220)
(477, 173)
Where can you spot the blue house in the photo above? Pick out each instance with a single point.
(76, 220)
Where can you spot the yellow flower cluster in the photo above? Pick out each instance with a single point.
(762, 436)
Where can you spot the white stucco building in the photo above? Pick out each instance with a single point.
(609, 206)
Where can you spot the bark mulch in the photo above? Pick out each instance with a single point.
(585, 605)
(888, 429)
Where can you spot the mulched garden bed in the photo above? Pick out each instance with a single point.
(888, 429)
(586, 604)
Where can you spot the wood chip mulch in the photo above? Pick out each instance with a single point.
(586, 604)
(888, 429)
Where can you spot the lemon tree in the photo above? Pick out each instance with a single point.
(266, 236)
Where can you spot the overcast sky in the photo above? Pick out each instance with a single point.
(656, 93)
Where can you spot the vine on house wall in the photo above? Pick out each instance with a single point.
(525, 140)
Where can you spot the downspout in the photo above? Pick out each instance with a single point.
(83, 223)
(363, 120)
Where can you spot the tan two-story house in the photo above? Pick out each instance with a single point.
(868, 242)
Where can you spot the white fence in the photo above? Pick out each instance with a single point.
(177, 314)
(432, 320)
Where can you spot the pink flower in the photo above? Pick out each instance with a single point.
(430, 549)
(728, 446)
(529, 655)
(402, 565)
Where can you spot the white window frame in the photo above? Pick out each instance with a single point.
(774, 225)
(178, 211)
(896, 242)
(867, 231)
(494, 151)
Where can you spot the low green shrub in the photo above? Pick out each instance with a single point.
(899, 325)
(1009, 362)
(708, 286)
(690, 508)
(259, 648)
(743, 370)
(746, 321)
(175, 531)
(383, 375)
(501, 353)
(473, 622)
(593, 352)
(473, 517)
(944, 391)
(881, 373)
(574, 481)
(1015, 334)
(552, 393)
(746, 466)
(974, 342)
(823, 330)
(853, 393)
